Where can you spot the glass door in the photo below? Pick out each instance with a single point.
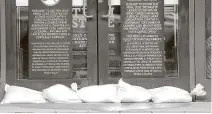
(145, 42)
(50, 42)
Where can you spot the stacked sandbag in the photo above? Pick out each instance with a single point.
(99, 94)
(168, 94)
(132, 94)
(61, 94)
(114, 93)
(109, 93)
(16, 94)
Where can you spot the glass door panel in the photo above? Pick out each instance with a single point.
(47, 50)
(127, 50)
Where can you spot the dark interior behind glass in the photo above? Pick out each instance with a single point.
(171, 30)
(79, 41)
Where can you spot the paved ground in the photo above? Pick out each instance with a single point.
(107, 107)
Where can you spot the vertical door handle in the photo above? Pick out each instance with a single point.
(84, 13)
(109, 12)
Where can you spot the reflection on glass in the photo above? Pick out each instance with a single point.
(79, 40)
(208, 37)
(171, 31)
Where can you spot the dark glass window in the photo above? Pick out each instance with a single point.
(79, 40)
(171, 32)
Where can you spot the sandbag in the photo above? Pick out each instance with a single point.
(168, 94)
(61, 94)
(99, 94)
(132, 94)
(198, 91)
(15, 94)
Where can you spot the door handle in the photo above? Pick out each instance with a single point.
(84, 13)
(109, 12)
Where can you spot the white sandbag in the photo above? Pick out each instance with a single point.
(100, 94)
(61, 94)
(15, 94)
(198, 91)
(6, 87)
(132, 94)
(169, 94)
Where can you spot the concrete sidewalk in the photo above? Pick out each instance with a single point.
(194, 107)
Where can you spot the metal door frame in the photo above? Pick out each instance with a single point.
(3, 47)
(200, 50)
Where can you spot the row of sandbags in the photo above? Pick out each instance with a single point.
(111, 93)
